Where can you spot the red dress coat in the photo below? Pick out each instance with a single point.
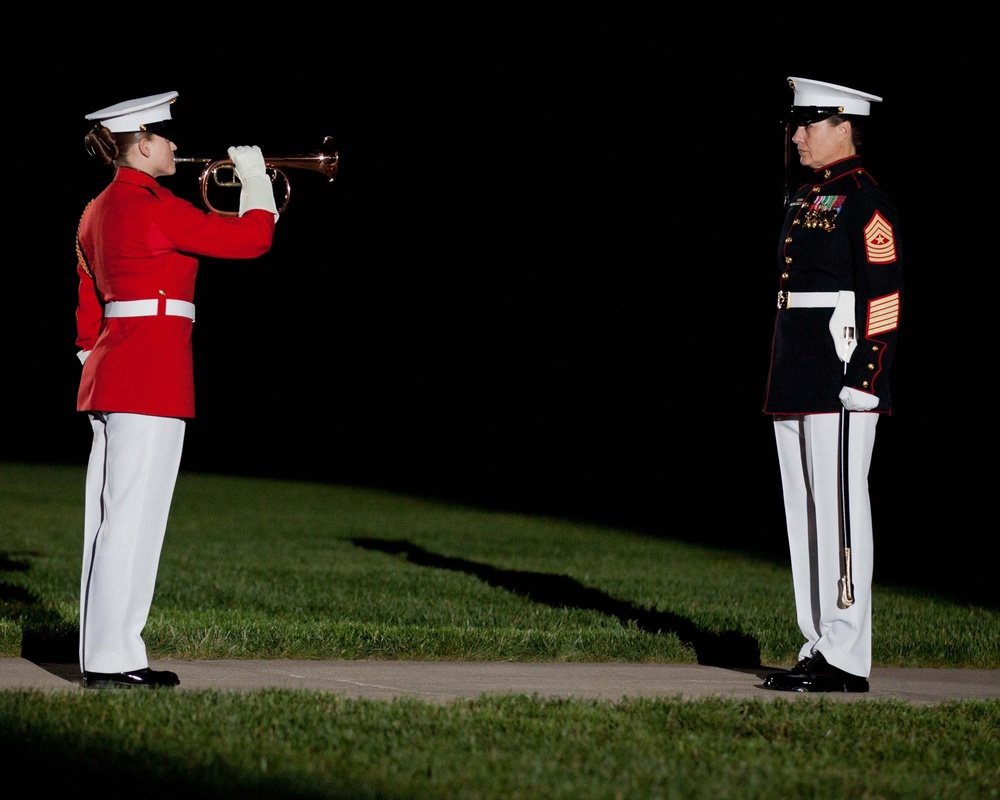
(138, 241)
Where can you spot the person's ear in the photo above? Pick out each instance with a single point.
(144, 148)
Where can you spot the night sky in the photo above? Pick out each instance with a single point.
(543, 280)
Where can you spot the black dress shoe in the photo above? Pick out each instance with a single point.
(816, 674)
(796, 670)
(148, 678)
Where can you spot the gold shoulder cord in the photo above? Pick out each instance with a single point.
(79, 250)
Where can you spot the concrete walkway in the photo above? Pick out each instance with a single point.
(445, 681)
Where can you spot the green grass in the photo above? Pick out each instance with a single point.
(299, 744)
(277, 569)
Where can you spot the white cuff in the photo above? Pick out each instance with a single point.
(258, 193)
(853, 400)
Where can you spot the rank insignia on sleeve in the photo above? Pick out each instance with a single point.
(880, 242)
(883, 314)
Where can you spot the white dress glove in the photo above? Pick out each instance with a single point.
(256, 192)
(853, 400)
(82, 355)
(842, 326)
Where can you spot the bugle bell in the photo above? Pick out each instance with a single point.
(222, 173)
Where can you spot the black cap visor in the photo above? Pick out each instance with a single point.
(805, 115)
(168, 129)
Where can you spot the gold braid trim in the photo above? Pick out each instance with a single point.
(79, 250)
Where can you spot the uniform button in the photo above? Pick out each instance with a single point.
(784, 276)
(788, 259)
(865, 384)
(871, 366)
(788, 240)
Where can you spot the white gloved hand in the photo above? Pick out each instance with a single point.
(82, 355)
(853, 400)
(247, 161)
(256, 191)
(842, 326)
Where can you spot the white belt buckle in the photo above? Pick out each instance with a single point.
(149, 308)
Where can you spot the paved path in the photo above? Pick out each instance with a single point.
(445, 681)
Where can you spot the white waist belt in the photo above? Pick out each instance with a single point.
(149, 308)
(808, 299)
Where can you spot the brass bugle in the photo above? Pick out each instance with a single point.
(222, 173)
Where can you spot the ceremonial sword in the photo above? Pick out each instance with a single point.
(846, 583)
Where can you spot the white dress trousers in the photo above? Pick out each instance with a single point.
(134, 461)
(808, 450)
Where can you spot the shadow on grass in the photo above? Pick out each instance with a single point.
(727, 649)
(48, 759)
(49, 642)
(46, 639)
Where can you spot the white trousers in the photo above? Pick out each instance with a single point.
(809, 459)
(131, 475)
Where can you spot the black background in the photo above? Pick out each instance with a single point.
(542, 281)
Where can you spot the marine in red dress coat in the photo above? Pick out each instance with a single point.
(139, 241)
(138, 247)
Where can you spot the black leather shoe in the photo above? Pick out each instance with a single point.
(816, 674)
(147, 678)
(796, 670)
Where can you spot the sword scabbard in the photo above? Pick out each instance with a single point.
(846, 583)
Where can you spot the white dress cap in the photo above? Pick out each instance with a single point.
(826, 96)
(143, 114)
